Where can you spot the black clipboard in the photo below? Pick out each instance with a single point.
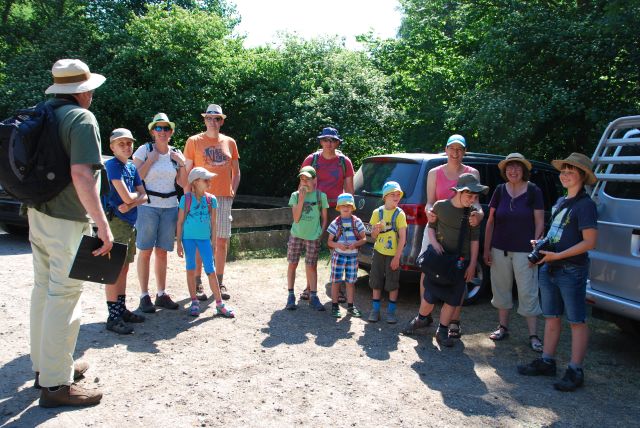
(103, 269)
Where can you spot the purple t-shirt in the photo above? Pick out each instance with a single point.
(514, 224)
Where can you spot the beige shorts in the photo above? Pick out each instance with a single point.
(223, 218)
(503, 269)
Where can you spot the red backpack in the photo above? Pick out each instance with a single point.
(340, 228)
(188, 197)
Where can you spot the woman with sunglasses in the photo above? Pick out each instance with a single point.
(160, 166)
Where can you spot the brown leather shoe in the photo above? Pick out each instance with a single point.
(69, 395)
(79, 368)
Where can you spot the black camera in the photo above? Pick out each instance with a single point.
(543, 244)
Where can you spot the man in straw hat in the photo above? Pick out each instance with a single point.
(55, 230)
(563, 276)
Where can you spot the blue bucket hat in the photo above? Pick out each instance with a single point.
(457, 139)
(345, 199)
(391, 186)
(329, 133)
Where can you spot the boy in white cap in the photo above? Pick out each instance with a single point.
(390, 232)
(346, 235)
(126, 192)
(197, 231)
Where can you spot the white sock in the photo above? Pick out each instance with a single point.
(161, 293)
(143, 295)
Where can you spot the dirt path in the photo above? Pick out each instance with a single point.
(272, 367)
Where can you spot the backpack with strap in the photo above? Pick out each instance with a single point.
(176, 191)
(340, 230)
(341, 160)
(34, 166)
(188, 197)
(394, 216)
(530, 193)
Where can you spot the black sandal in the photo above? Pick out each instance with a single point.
(223, 293)
(455, 332)
(501, 333)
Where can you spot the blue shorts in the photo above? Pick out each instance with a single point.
(156, 227)
(563, 289)
(206, 254)
(344, 265)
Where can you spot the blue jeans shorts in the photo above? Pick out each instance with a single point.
(563, 289)
(156, 227)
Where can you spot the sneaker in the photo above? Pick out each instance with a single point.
(314, 302)
(146, 305)
(417, 323)
(538, 367)
(354, 312)
(336, 313)
(223, 292)
(194, 309)
(128, 316)
(291, 302)
(118, 326)
(200, 294)
(225, 311)
(443, 338)
(374, 316)
(572, 380)
(79, 369)
(69, 395)
(165, 301)
(392, 318)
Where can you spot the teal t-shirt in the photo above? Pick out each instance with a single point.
(197, 223)
(80, 136)
(310, 225)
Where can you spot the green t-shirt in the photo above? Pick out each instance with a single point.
(448, 227)
(387, 240)
(310, 225)
(80, 136)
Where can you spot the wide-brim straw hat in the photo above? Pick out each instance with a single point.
(469, 182)
(580, 161)
(161, 117)
(513, 157)
(214, 110)
(72, 76)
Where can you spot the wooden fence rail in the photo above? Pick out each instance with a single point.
(247, 218)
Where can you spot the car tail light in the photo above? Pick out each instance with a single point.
(415, 214)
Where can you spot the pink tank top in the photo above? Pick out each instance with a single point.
(444, 185)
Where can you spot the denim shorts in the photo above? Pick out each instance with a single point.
(156, 227)
(563, 289)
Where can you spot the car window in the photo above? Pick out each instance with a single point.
(622, 189)
(549, 184)
(378, 171)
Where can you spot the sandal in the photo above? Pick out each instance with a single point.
(341, 297)
(224, 292)
(305, 294)
(536, 343)
(225, 311)
(454, 329)
(502, 332)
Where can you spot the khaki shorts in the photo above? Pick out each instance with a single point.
(223, 218)
(503, 269)
(124, 233)
(381, 275)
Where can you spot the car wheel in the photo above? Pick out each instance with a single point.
(477, 288)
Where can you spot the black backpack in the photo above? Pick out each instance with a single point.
(34, 166)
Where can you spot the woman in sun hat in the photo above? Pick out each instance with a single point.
(516, 216)
(565, 269)
(161, 166)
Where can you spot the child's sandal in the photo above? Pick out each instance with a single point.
(501, 332)
(305, 294)
(225, 311)
(455, 332)
(536, 343)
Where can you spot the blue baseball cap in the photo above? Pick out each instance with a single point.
(391, 186)
(330, 133)
(457, 139)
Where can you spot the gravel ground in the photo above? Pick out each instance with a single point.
(272, 367)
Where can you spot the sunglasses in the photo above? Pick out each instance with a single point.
(213, 118)
(162, 128)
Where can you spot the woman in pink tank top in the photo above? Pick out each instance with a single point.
(439, 183)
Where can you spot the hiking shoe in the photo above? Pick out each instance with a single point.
(128, 316)
(194, 309)
(79, 369)
(572, 380)
(69, 395)
(200, 294)
(443, 338)
(146, 305)
(223, 292)
(336, 313)
(314, 302)
(225, 311)
(538, 367)
(354, 312)
(118, 326)
(417, 323)
(374, 316)
(291, 302)
(392, 318)
(165, 301)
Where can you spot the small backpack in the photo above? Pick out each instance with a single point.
(188, 197)
(394, 217)
(34, 166)
(341, 229)
(341, 160)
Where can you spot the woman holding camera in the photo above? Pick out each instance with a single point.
(563, 277)
(516, 216)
